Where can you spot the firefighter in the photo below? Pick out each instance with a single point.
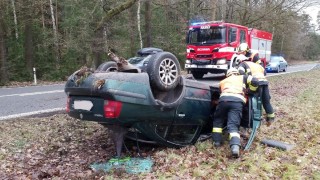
(231, 102)
(247, 67)
(245, 50)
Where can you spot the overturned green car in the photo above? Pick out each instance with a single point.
(159, 104)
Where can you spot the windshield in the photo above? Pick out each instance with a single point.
(207, 35)
(275, 58)
(135, 60)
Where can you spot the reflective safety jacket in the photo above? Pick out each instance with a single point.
(233, 88)
(251, 68)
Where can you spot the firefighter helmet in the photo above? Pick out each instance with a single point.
(232, 71)
(243, 47)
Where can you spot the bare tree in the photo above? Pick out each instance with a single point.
(147, 19)
(318, 20)
(139, 23)
(115, 11)
(15, 18)
(3, 53)
(132, 23)
(55, 36)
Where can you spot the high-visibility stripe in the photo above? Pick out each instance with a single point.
(234, 134)
(270, 115)
(252, 88)
(217, 130)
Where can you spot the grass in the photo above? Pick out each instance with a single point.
(60, 147)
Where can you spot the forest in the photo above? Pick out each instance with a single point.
(57, 37)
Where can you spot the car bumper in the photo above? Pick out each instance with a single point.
(271, 69)
(194, 66)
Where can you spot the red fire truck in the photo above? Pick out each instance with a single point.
(210, 46)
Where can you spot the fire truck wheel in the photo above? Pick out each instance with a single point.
(109, 66)
(164, 71)
(197, 75)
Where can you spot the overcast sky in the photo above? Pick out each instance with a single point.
(313, 12)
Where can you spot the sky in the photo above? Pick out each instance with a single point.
(313, 12)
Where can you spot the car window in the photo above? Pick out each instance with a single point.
(182, 134)
(275, 58)
(135, 60)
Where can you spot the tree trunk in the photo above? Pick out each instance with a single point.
(148, 22)
(3, 54)
(139, 24)
(131, 31)
(42, 15)
(15, 19)
(55, 37)
(28, 46)
(98, 47)
(213, 9)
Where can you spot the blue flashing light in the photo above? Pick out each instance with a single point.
(205, 22)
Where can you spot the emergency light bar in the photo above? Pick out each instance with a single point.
(207, 22)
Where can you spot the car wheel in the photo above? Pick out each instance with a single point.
(285, 69)
(164, 71)
(109, 66)
(197, 75)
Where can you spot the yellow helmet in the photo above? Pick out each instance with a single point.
(243, 47)
(232, 71)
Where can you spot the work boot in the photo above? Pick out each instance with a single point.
(235, 151)
(217, 137)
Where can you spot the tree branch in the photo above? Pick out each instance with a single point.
(115, 11)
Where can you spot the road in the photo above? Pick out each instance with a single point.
(50, 99)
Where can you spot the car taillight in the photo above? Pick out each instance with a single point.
(112, 109)
(68, 105)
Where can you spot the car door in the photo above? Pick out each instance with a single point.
(191, 115)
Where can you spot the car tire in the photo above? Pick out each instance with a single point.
(109, 66)
(285, 69)
(164, 71)
(197, 75)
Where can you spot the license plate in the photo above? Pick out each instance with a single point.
(83, 105)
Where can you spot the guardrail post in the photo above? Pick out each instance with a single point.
(34, 76)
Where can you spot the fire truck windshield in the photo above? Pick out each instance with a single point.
(206, 35)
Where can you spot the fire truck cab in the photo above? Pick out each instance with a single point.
(210, 46)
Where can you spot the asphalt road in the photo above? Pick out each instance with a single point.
(50, 99)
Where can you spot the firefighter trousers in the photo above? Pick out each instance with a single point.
(265, 97)
(232, 112)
